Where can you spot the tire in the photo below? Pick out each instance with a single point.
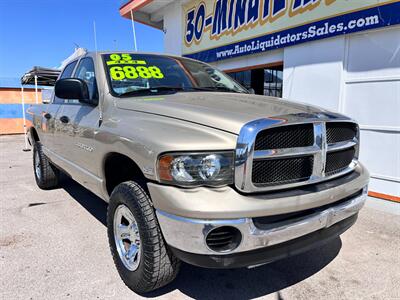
(153, 265)
(46, 174)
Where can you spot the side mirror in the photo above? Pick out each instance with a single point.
(72, 88)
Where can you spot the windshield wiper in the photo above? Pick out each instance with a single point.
(215, 88)
(157, 89)
(150, 90)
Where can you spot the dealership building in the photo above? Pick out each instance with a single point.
(337, 54)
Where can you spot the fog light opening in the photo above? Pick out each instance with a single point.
(223, 239)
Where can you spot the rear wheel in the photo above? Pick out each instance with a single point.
(46, 174)
(140, 254)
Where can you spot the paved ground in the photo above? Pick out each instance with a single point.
(53, 245)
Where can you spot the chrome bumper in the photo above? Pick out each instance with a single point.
(189, 235)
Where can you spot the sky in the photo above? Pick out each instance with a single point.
(44, 32)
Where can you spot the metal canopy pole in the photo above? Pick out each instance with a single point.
(36, 91)
(23, 116)
(133, 31)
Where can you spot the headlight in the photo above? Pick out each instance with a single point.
(195, 169)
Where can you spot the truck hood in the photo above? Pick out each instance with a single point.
(225, 111)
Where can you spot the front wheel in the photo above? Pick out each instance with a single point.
(140, 254)
(46, 174)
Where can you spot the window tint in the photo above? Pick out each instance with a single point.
(85, 71)
(67, 73)
(207, 76)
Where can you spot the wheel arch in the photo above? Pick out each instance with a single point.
(117, 168)
(33, 135)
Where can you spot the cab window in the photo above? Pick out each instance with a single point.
(85, 71)
(66, 73)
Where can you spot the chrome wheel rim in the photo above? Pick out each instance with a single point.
(127, 238)
(38, 171)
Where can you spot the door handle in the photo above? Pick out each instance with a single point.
(64, 119)
(47, 116)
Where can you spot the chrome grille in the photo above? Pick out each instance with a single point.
(280, 153)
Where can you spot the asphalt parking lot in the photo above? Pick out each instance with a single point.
(53, 245)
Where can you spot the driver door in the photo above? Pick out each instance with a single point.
(80, 125)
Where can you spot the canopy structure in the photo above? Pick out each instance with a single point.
(40, 76)
(37, 76)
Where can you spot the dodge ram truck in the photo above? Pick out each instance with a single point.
(193, 166)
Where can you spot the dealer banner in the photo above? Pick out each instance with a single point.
(221, 29)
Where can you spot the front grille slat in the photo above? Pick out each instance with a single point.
(340, 131)
(338, 161)
(282, 171)
(285, 137)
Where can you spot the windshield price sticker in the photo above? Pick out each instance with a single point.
(131, 72)
(124, 59)
(131, 69)
(126, 62)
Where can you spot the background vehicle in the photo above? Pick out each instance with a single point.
(193, 167)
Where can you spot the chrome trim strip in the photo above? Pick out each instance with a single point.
(320, 156)
(190, 234)
(292, 152)
(342, 145)
(245, 153)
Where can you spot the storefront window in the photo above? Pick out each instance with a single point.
(264, 81)
(243, 77)
(273, 82)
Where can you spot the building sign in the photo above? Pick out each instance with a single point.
(221, 29)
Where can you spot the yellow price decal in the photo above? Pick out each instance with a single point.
(124, 59)
(130, 72)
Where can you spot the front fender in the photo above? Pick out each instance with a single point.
(143, 137)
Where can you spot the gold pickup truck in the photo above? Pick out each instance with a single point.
(194, 167)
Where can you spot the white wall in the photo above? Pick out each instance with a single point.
(371, 94)
(313, 72)
(358, 75)
(173, 28)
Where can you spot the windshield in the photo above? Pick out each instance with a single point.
(131, 74)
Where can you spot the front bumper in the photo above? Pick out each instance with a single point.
(270, 254)
(226, 203)
(189, 235)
